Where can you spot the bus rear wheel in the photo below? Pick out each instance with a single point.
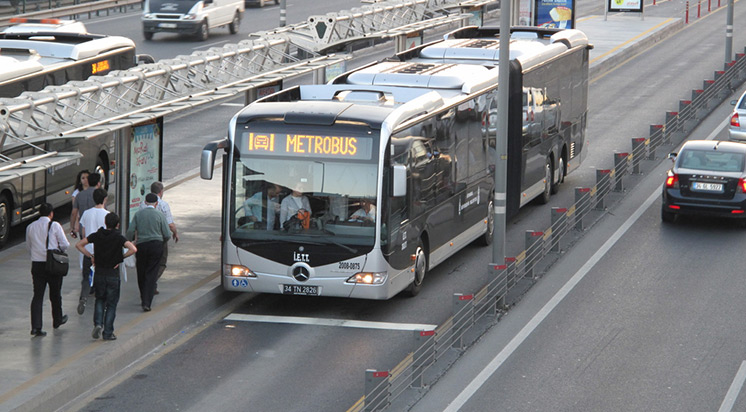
(420, 271)
(560, 175)
(4, 220)
(547, 193)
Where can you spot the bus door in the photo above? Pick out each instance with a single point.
(533, 158)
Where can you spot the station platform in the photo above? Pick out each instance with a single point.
(48, 373)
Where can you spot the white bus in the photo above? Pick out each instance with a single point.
(32, 58)
(412, 135)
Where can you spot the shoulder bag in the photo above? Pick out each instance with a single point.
(58, 262)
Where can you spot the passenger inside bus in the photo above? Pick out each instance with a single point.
(295, 211)
(366, 213)
(262, 207)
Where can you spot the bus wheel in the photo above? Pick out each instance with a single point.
(544, 197)
(4, 220)
(486, 238)
(560, 176)
(420, 270)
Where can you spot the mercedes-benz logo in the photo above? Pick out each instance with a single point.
(301, 274)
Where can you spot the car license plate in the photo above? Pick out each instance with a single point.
(167, 25)
(710, 187)
(300, 290)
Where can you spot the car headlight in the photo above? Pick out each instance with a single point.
(238, 271)
(190, 17)
(147, 16)
(368, 278)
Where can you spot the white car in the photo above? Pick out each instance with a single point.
(23, 25)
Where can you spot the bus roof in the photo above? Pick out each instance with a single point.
(27, 53)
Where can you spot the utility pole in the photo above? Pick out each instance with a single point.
(501, 146)
(283, 14)
(729, 33)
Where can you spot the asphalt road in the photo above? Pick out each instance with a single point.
(237, 365)
(651, 296)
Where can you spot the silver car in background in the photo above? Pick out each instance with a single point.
(737, 130)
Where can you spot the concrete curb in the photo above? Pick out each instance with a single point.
(638, 47)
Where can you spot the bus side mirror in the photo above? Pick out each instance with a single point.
(400, 180)
(207, 161)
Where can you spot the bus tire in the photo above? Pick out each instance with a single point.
(5, 207)
(147, 35)
(560, 176)
(420, 271)
(486, 238)
(233, 26)
(547, 193)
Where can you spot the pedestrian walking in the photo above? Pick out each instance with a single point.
(148, 230)
(158, 188)
(92, 220)
(41, 235)
(108, 244)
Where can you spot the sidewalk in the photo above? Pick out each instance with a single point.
(44, 374)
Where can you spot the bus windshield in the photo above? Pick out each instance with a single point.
(283, 193)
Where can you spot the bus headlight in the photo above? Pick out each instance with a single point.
(239, 271)
(368, 278)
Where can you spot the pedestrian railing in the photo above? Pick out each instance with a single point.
(435, 350)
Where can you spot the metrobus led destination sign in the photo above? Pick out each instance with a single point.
(301, 145)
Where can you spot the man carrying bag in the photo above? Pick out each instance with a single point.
(41, 236)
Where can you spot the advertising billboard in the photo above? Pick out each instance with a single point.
(145, 155)
(559, 14)
(625, 5)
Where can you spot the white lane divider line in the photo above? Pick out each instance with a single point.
(233, 104)
(735, 388)
(297, 320)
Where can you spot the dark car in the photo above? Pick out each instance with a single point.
(707, 179)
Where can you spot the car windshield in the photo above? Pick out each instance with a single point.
(716, 161)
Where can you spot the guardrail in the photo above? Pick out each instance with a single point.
(435, 350)
(74, 10)
(201, 77)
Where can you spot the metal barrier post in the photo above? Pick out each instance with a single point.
(581, 194)
(603, 183)
(423, 355)
(684, 107)
(376, 390)
(498, 281)
(656, 138)
(620, 168)
(462, 318)
(672, 119)
(559, 227)
(531, 242)
(638, 146)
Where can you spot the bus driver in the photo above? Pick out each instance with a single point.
(254, 207)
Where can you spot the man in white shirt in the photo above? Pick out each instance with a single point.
(91, 221)
(366, 213)
(37, 235)
(293, 203)
(254, 206)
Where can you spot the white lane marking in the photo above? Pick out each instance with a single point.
(501, 357)
(717, 129)
(735, 388)
(233, 104)
(204, 46)
(296, 320)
